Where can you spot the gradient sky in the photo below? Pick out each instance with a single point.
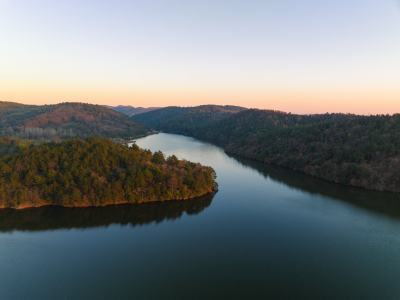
(303, 56)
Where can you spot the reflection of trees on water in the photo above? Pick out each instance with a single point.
(51, 217)
(379, 202)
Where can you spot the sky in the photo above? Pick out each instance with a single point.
(300, 56)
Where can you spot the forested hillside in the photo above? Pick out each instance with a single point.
(65, 120)
(185, 119)
(362, 151)
(95, 172)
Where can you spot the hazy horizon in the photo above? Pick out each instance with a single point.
(303, 56)
(203, 104)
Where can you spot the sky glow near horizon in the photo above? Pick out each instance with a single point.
(302, 56)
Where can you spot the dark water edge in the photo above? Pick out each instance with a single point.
(56, 217)
(386, 203)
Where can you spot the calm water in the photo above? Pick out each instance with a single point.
(266, 233)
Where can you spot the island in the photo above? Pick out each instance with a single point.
(90, 172)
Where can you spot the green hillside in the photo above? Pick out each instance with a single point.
(361, 151)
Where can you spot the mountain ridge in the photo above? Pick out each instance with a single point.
(132, 110)
(65, 120)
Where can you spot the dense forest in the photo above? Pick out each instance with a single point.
(185, 120)
(94, 172)
(65, 120)
(361, 151)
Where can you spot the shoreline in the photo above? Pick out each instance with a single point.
(250, 158)
(121, 203)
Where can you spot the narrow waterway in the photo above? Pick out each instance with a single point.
(266, 233)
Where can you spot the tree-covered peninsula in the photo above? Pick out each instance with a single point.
(95, 172)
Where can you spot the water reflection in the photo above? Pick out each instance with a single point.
(52, 217)
(377, 202)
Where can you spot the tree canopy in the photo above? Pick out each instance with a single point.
(95, 172)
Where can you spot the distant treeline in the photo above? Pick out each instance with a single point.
(361, 151)
(94, 172)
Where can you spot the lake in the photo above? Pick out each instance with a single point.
(267, 233)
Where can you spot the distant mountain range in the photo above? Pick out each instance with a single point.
(65, 120)
(131, 110)
(361, 151)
